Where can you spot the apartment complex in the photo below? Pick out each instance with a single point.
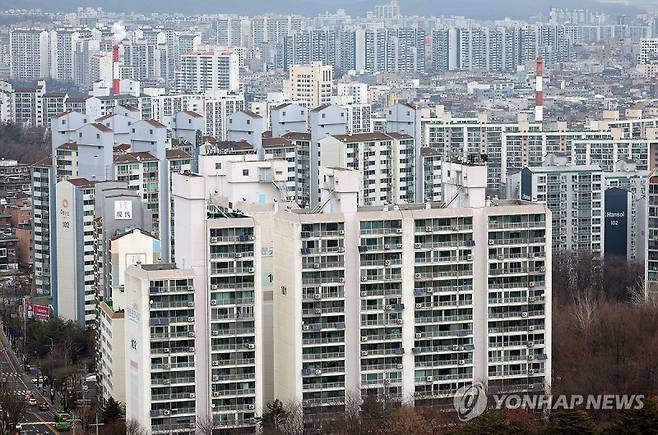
(208, 70)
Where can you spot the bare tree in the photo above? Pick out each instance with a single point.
(205, 425)
(13, 409)
(134, 428)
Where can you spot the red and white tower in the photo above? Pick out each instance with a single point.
(539, 90)
(115, 69)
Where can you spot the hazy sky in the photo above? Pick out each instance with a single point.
(472, 8)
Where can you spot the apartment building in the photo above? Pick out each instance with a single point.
(651, 263)
(208, 70)
(411, 301)
(312, 83)
(160, 348)
(574, 194)
(385, 162)
(29, 54)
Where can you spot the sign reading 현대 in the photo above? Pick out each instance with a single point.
(123, 210)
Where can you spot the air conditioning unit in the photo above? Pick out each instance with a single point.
(418, 275)
(215, 363)
(341, 232)
(341, 279)
(318, 372)
(192, 396)
(398, 366)
(461, 362)
(388, 307)
(364, 278)
(318, 311)
(214, 239)
(190, 287)
(215, 394)
(428, 229)
(398, 230)
(419, 335)
(387, 262)
(306, 327)
(166, 381)
(455, 347)
(213, 302)
(531, 255)
(524, 314)
(364, 353)
(399, 321)
(190, 303)
(317, 296)
(387, 246)
(165, 350)
(531, 344)
(417, 245)
(531, 357)
(364, 294)
(190, 349)
(531, 371)
(429, 379)
(364, 338)
(252, 238)
(251, 407)
(500, 257)
(531, 299)
(190, 334)
(215, 378)
(531, 284)
(251, 346)
(492, 242)
(165, 366)
(166, 412)
(429, 291)
(190, 319)
(214, 287)
(238, 255)
(542, 269)
(215, 332)
(316, 265)
(469, 257)
(341, 249)
(399, 246)
(419, 305)
(531, 328)
(251, 270)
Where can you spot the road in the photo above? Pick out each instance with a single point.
(35, 421)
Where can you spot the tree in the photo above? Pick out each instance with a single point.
(112, 410)
(636, 421)
(13, 407)
(282, 418)
(499, 422)
(205, 425)
(569, 422)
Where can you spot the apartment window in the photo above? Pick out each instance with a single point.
(245, 172)
(218, 165)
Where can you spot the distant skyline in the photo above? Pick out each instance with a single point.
(477, 9)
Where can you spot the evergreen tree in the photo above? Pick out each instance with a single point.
(112, 410)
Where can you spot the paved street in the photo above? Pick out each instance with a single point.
(35, 421)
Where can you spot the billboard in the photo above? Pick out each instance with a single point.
(526, 184)
(616, 222)
(38, 312)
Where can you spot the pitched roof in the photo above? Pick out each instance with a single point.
(192, 113)
(250, 114)
(296, 135)
(361, 137)
(68, 146)
(135, 157)
(173, 153)
(154, 123)
(321, 107)
(275, 142)
(81, 182)
(101, 127)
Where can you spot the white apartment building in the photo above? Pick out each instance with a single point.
(63, 43)
(385, 162)
(651, 263)
(625, 215)
(411, 301)
(312, 83)
(358, 91)
(161, 348)
(212, 69)
(30, 54)
(648, 50)
(574, 194)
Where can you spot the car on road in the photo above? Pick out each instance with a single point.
(32, 401)
(43, 406)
